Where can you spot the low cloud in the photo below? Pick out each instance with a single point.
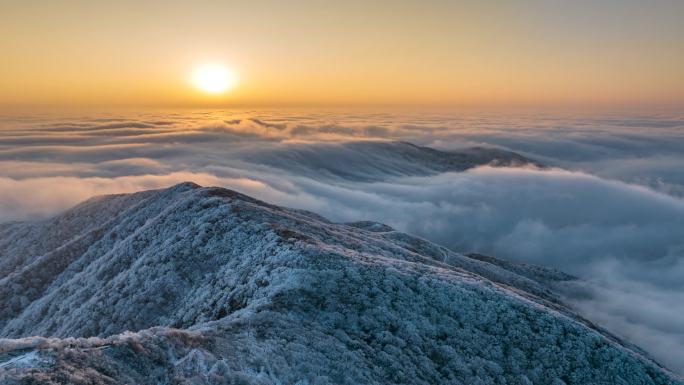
(609, 210)
(43, 197)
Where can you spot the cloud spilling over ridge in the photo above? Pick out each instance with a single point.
(643, 149)
(619, 229)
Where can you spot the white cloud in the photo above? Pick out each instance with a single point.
(626, 239)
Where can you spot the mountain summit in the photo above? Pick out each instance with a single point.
(193, 285)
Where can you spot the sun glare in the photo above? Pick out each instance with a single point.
(213, 78)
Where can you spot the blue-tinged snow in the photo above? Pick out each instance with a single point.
(192, 285)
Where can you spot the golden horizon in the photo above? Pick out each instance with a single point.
(463, 53)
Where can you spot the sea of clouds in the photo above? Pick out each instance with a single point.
(609, 208)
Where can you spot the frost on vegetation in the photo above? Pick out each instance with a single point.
(192, 285)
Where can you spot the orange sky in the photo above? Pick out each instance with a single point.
(436, 52)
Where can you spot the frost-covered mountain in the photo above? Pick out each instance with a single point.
(192, 285)
(370, 161)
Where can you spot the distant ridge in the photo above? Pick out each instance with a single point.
(369, 161)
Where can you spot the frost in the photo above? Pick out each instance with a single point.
(192, 285)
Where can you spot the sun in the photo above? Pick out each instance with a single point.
(214, 78)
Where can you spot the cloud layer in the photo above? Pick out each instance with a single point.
(610, 210)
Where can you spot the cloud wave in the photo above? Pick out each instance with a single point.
(614, 216)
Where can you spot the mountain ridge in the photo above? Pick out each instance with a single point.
(370, 161)
(216, 285)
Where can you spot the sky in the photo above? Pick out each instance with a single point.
(604, 53)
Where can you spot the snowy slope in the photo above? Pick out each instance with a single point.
(205, 285)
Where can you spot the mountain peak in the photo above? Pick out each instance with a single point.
(198, 284)
(184, 186)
